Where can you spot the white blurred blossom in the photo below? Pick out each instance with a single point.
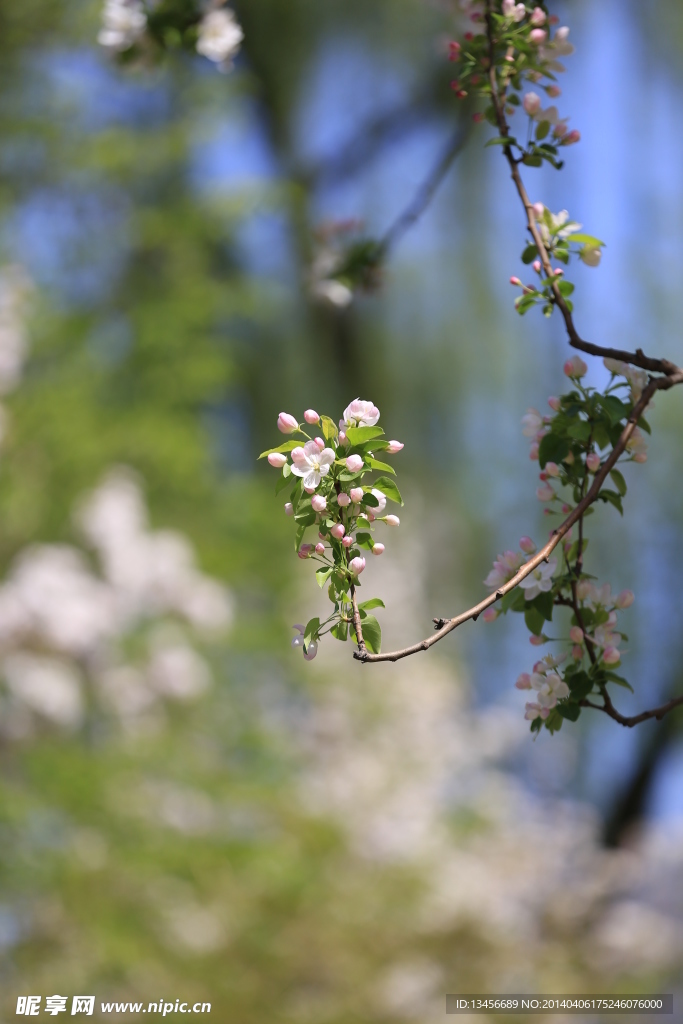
(49, 687)
(219, 37)
(123, 23)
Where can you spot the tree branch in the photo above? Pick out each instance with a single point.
(630, 720)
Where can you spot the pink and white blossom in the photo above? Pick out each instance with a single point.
(356, 494)
(277, 459)
(539, 580)
(545, 492)
(513, 10)
(533, 711)
(538, 17)
(289, 508)
(527, 545)
(532, 104)
(593, 462)
(378, 549)
(490, 615)
(343, 499)
(318, 503)
(532, 421)
(538, 36)
(311, 416)
(356, 565)
(575, 367)
(550, 688)
(392, 520)
(523, 681)
(311, 463)
(625, 599)
(394, 446)
(576, 635)
(298, 640)
(504, 568)
(320, 548)
(347, 542)
(311, 651)
(360, 413)
(338, 531)
(354, 463)
(611, 656)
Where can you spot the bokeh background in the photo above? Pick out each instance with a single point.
(187, 809)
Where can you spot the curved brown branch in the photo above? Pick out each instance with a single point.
(362, 649)
(630, 720)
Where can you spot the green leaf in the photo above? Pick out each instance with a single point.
(299, 537)
(619, 481)
(585, 240)
(529, 254)
(374, 602)
(532, 161)
(613, 498)
(552, 449)
(544, 604)
(644, 425)
(305, 518)
(500, 140)
(580, 685)
(565, 287)
(376, 464)
(389, 488)
(329, 428)
(542, 130)
(581, 430)
(534, 620)
(364, 540)
(569, 711)
(340, 630)
(357, 435)
(369, 500)
(513, 601)
(372, 634)
(311, 631)
(619, 680)
(286, 447)
(323, 574)
(574, 549)
(284, 479)
(615, 409)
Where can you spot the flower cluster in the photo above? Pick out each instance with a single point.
(332, 494)
(571, 445)
(142, 28)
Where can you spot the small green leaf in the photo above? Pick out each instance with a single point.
(552, 449)
(619, 481)
(357, 435)
(372, 634)
(644, 425)
(542, 130)
(513, 601)
(500, 140)
(284, 479)
(544, 604)
(529, 254)
(376, 464)
(580, 430)
(569, 711)
(364, 540)
(323, 574)
(311, 631)
(613, 498)
(369, 500)
(619, 680)
(585, 240)
(615, 409)
(329, 428)
(565, 287)
(534, 620)
(580, 685)
(340, 630)
(374, 602)
(299, 537)
(286, 447)
(389, 488)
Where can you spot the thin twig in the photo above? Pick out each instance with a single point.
(358, 629)
(630, 720)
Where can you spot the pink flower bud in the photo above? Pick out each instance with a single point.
(577, 652)
(320, 443)
(338, 531)
(537, 641)
(356, 565)
(320, 548)
(527, 545)
(553, 19)
(537, 266)
(394, 446)
(554, 403)
(305, 551)
(593, 461)
(310, 654)
(575, 367)
(392, 520)
(454, 51)
(321, 535)
(342, 437)
(554, 91)
(286, 423)
(611, 656)
(378, 549)
(531, 103)
(523, 681)
(640, 457)
(545, 492)
(289, 509)
(558, 271)
(318, 503)
(542, 476)
(347, 542)
(552, 469)
(354, 463)
(571, 138)
(566, 508)
(538, 36)
(309, 490)
(625, 599)
(560, 130)
(311, 416)
(576, 635)
(490, 615)
(515, 281)
(477, 117)
(538, 209)
(533, 451)
(343, 499)
(277, 459)
(537, 16)
(356, 494)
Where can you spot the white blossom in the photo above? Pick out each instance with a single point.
(311, 463)
(123, 22)
(220, 36)
(539, 581)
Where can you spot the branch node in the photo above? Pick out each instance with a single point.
(439, 623)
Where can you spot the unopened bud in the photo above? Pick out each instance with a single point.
(625, 599)
(289, 509)
(527, 545)
(378, 549)
(318, 503)
(277, 459)
(311, 416)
